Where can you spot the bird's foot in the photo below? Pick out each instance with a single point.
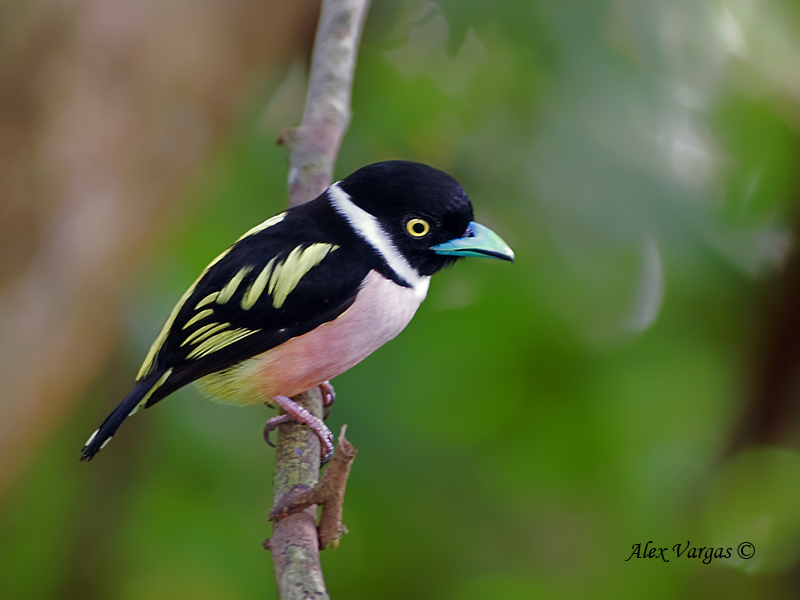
(328, 396)
(297, 414)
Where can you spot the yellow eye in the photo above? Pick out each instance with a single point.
(418, 228)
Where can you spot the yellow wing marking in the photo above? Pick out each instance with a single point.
(230, 288)
(148, 364)
(204, 332)
(198, 317)
(262, 226)
(257, 287)
(219, 341)
(207, 300)
(151, 391)
(288, 274)
(279, 280)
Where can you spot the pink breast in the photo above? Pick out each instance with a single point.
(381, 310)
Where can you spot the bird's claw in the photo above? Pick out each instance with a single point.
(272, 425)
(328, 393)
(326, 448)
(328, 396)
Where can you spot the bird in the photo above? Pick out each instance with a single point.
(309, 293)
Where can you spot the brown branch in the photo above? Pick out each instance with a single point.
(314, 146)
(328, 492)
(769, 414)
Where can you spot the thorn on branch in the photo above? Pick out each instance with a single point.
(286, 136)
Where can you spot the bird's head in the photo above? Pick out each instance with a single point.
(425, 212)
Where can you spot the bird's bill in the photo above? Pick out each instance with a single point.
(477, 241)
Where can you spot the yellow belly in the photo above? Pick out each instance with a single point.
(381, 310)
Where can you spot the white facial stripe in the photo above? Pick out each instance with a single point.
(367, 226)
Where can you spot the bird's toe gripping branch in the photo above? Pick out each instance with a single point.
(297, 414)
(328, 396)
(272, 425)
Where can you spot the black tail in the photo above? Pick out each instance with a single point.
(144, 390)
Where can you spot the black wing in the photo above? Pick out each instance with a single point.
(280, 280)
(274, 284)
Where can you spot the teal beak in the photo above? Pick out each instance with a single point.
(477, 241)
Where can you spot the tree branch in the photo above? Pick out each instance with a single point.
(314, 146)
(294, 543)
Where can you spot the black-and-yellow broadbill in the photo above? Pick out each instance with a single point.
(309, 293)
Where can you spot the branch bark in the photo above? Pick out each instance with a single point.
(314, 146)
(294, 543)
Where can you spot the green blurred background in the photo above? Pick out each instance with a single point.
(632, 377)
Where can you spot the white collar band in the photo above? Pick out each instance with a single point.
(369, 229)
